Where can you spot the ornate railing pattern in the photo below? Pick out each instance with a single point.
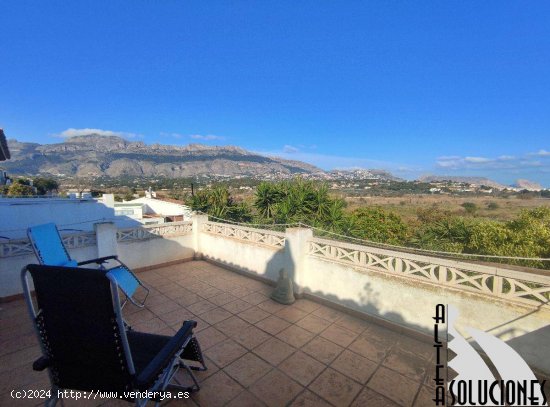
(513, 285)
(153, 231)
(21, 247)
(260, 236)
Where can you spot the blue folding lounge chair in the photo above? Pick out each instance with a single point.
(50, 250)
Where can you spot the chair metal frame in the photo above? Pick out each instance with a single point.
(101, 262)
(164, 381)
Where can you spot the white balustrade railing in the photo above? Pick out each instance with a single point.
(516, 286)
(153, 231)
(251, 235)
(21, 247)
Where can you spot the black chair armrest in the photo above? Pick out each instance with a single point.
(41, 364)
(151, 372)
(100, 260)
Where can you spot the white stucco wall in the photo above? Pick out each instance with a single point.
(254, 258)
(412, 304)
(150, 252)
(17, 214)
(10, 268)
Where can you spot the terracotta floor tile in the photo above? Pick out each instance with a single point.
(19, 358)
(254, 298)
(272, 324)
(394, 386)
(339, 335)
(335, 387)
(301, 367)
(163, 307)
(274, 351)
(139, 316)
(309, 399)
(276, 389)
(253, 315)
(322, 349)
(237, 306)
(253, 284)
(222, 299)
(376, 332)
(239, 291)
(328, 313)
(209, 337)
(209, 292)
(355, 366)
(313, 324)
(198, 288)
(373, 349)
(216, 315)
(407, 364)
(295, 336)
(225, 352)
(370, 398)
(306, 305)
(291, 314)
(246, 399)
(351, 323)
(271, 306)
(152, 300)
(152, 326)
(177, 316)
(248, 369)
(232, 326)
(421, 349)
(251, 337)
(217, 390)
(424, 398)
(201, 307)
(188, 298)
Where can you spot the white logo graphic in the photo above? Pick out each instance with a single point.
(476, 385)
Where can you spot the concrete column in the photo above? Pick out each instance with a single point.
(296, 250)
(198, 222)
(106, 239)
(109, 200)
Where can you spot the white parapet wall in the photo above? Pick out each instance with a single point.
(138, 247)
(141, 247)
(400, 288)
(256, 251)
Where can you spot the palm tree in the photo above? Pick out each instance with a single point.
(267, 197)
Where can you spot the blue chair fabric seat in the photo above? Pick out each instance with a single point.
(48, 246)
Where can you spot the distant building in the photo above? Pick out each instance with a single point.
(150, 210)
(68, 214)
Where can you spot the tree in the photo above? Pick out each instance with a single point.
(379, 225)
(19, 189)
(218, 202)
(267, 196)
(45, 185)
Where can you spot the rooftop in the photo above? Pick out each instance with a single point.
(359, 334)
(258, 352)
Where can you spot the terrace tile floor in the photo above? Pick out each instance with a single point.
(259, 352)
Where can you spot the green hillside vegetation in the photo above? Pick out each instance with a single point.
(308, 202)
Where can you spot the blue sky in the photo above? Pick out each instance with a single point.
(455, 87)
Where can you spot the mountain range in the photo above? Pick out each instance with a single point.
(96, 155)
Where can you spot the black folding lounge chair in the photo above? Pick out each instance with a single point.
(85, 345)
